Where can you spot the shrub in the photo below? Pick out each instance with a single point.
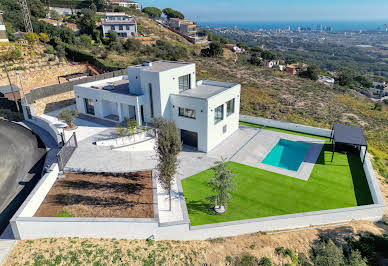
(68, 116)
(264, 261)
(327, 253)
(49, 49)
(132, 44)
(152, 12)
(15, 54)
(215, 49)
(44, 37)
(64, 213)
(31, 37)
(245, 259)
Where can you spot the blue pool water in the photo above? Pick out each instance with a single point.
(287, 154)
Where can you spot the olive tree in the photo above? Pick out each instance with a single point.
(222, 184)
(167, 147)
(68, 116)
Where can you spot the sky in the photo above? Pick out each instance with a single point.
(276, 10)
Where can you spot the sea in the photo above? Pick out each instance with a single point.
(335, 25)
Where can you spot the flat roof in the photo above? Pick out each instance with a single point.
(163, 65)
(349, 135)
(208, 89)
(7, 89)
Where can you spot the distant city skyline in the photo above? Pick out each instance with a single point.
(280, 10)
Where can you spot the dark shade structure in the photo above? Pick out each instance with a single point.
(348, 137)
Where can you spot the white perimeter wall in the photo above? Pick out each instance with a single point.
(25, 226)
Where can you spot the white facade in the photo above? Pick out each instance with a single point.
(124, 25)
(205, 112)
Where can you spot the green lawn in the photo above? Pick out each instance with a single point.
(338, 184)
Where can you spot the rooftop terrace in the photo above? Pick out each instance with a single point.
(206, 89)
(160, 66)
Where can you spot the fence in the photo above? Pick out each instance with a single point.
(55, 89)
(66, 151)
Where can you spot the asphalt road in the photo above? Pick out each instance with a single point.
(22, 156)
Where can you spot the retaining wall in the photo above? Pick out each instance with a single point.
(25, 226)
(47, 126)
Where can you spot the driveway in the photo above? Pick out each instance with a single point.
(21, 161)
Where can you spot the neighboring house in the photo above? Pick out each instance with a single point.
(234, 48)
(294, 69)
(205, 112)
(5, 91)
(57, 23)
(326, 80)
(124, 3)
(65, 11)
(3, 30)
(124, 25)
(187, 29)
(271, 63)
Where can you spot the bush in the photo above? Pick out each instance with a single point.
(215, 49)
(15, 54)
(171, 13)
(64, 213)
(245, 259)
(68, 116)
(327, 253)
(49, 49)
(132, 44)
(264, 261)
(44, 37)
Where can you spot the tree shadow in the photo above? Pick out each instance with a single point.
(200, 206)
(105, 202)
(114, 187)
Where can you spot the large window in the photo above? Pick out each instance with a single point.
(89, 106)
(186, 112)
(230, 107)
(120, 27)
(112, 27)
(184, 83)
(218, 114)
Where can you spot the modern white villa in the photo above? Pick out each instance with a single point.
(206, 112)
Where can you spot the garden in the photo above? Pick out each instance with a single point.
(258, 193)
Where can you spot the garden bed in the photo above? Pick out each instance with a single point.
(124, 195)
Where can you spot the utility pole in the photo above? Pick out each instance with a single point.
(26, 16)
(10, 84)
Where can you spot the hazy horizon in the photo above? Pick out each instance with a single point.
(280, 10)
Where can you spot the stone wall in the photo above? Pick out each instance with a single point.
(54, 102)
(44, 76)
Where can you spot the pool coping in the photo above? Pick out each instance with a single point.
(306, 167)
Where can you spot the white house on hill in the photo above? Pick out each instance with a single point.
(205, 112)
(124, 25)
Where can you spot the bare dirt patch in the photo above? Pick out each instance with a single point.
(100, 195)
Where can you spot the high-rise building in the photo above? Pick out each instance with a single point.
(319, 27)
(385, 27)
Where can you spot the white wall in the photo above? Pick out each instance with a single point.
(215, 131)
(47, 126)
(199, 124)
(285, 125)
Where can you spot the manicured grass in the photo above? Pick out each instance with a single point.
(338, 184)
(327, 140)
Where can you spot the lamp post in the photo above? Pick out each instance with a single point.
(10, 84)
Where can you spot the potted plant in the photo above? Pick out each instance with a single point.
(68, 116)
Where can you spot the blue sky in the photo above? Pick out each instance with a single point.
(277, 10)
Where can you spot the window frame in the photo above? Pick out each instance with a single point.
(184, 83)
(233, 104)
(217, 118)
(184, 112)
(89, 106)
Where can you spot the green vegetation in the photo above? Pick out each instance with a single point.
(215, 49)
(153, 12)
(171, 13)
(64, 213)
(68, 116)
(260, 193)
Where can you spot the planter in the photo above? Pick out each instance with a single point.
(219, 209)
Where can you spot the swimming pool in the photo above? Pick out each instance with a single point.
(287, 154)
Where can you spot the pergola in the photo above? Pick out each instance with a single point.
(348, 136)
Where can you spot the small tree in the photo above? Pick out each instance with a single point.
(31, 37)
(68, 116)
(171, 13)
(222, 184)
(168, 146)
(55, 15)
(131, 125)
